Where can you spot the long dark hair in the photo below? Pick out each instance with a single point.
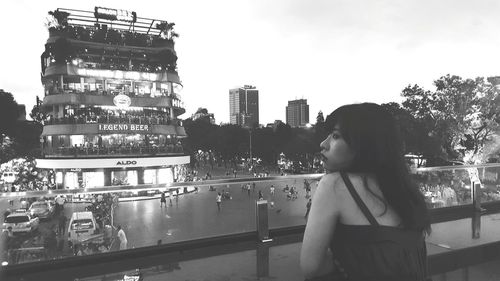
(373, 135)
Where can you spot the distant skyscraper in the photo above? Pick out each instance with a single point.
(244, 106)
(297, 113)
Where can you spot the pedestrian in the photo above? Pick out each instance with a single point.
(234, 173)
(261, 196)
(272, 189)
(163, 200)
(62, 224)
(364, 162)
(170, 197)
(6, 214)
(50, 242)
(308, 207)
(218, 200)
(59, 204)
(248, 189)
(122, 237)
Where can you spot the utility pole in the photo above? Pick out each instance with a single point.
(250, 134)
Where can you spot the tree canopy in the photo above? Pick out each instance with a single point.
(461, 116)
(9, 113)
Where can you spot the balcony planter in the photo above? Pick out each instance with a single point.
(54, 32)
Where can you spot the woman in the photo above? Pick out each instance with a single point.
(367, 220)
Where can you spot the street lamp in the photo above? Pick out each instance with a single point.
(251, 157)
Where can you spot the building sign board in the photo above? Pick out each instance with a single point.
(114, 14)
(111, 162)
(123, 128)
(122, 101)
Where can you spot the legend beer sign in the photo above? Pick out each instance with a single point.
(124, 128)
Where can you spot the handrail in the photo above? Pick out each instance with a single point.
(456, 167)
(145, 187)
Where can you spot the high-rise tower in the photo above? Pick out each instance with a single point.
(244, 106)
(297, 113)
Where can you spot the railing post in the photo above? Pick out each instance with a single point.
(263, 235)
(476, 197)
(262, 221)
(476, 216)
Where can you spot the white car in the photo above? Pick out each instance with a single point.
(42, 209)
(21, 222)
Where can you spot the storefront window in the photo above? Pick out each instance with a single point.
(143, 88)
(50, 86)
(93, 179)
(118, 86)
(132, 177)
(119, 178)
(165, 175)
(93, 85)
(76, 139)
(71, 180)
(177, 88)
(59, 178)
(72, 84)
(150, 176)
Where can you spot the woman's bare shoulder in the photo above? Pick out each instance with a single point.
(331, 182)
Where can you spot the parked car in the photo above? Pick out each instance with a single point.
(21, 222)
(83, 227)
(42, 209)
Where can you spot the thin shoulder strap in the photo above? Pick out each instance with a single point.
(358, 200)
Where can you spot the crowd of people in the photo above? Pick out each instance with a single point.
(110, 117)
(130, 148)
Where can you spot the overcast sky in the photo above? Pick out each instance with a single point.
(330, 52)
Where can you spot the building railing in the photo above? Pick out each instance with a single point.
(158, 94)
(112, 151)
(112, 36)
(111, 119)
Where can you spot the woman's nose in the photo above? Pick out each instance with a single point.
(323, 144)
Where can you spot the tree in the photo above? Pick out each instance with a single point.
(60, 20)
(264, 145)
(462, 113)
(37, 113)
(167, 30)
(7, 151)
(26, 141)
(168, 60)
(8, 114)
(414, 134)
(320, 118)
(62, 50)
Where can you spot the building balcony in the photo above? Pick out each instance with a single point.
(111, 151)
(68, 69)
(111, 119)
(126, 40)
(104, 98)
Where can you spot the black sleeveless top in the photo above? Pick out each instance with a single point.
(377, 252)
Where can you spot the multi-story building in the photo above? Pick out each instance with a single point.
(244, 106)
(297, 113)
(112, 100)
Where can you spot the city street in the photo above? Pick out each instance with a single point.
(195, 215)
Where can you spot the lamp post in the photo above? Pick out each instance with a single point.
(251, 157)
